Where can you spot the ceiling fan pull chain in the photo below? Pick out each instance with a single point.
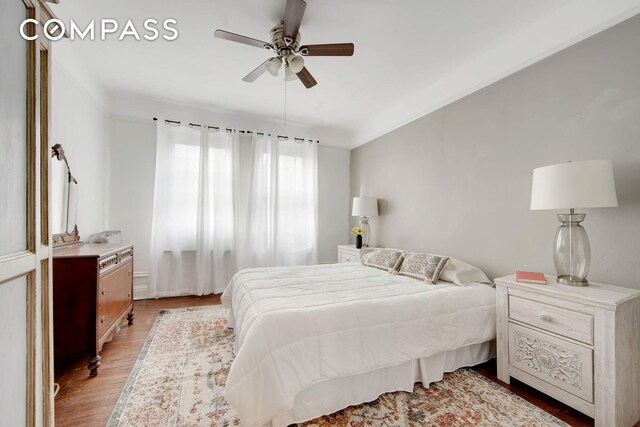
(285, 102)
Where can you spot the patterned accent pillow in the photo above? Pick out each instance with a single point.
(384, 259)
(425, 267)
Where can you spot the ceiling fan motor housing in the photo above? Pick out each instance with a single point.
(283, 46)
(285, 50)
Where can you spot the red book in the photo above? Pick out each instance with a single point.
(531, 277)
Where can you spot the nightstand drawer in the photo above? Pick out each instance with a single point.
(562, 364)
(349, 253)
(568, 323)
(348, 257)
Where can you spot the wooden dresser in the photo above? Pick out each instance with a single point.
(577, 344)
(92, 298)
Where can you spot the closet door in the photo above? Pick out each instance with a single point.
(25, 392)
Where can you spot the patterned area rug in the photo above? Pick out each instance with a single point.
(179, 377)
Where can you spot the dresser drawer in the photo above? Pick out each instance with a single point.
(114, 294)
(561, 321)
(560, 363)
(115, 283)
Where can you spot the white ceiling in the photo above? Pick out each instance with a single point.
(411, 56)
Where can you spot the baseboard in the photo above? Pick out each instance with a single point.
(140, 285)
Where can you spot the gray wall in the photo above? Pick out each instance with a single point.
(458, 181)
(333, 202)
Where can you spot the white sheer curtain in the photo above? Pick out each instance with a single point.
(281, 218)
(193, 243)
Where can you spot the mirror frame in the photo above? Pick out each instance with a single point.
(65, 238)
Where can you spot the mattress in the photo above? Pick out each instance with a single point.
(297, 327)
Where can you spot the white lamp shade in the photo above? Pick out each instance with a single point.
(585, 184)
(365, 206)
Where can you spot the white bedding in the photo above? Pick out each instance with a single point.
(297, 327)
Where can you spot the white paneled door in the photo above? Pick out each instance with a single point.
(26, 397)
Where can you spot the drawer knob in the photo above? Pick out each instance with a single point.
(545, 317)
(104, 292)
(103, 319)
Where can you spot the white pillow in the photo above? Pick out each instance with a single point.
(461, 273)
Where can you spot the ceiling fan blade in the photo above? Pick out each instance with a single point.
(306, 78)
(293, 14)
(334, 49)
(226, 35)
(252, 76)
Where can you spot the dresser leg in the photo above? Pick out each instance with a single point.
(130, 317)
(94, 364)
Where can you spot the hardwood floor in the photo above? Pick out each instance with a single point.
(88, 402)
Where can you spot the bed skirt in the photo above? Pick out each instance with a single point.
(333, 395)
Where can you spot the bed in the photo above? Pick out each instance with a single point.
(312, 340)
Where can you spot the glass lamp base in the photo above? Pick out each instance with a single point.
(572, 281)
(364, 223)
(572, 252)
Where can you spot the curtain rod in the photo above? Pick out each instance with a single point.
(195, 125)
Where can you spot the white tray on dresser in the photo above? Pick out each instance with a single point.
(579, 345)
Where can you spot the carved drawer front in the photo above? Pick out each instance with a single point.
(561, 321)
(560, 363)
(114, 294)
(112, 261)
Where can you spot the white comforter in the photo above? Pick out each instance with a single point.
(299, 326)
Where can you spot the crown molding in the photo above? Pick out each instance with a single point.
(571, 24)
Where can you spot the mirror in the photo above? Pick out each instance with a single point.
(64, 199)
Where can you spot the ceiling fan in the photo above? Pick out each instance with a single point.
(285, 44)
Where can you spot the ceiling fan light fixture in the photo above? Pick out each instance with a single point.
(296, 63)
(289, 75)
(273, 66)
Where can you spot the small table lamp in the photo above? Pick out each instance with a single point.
(585, 184)
(364, 207)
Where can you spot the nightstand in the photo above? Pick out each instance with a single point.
(579, 345)
(349, 253)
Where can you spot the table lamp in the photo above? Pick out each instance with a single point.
(572, 185)
(365, 207)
